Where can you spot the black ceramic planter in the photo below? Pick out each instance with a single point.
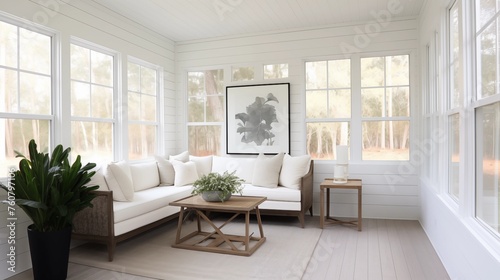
(49, 253)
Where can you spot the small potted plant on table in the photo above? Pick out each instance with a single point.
(218, 187)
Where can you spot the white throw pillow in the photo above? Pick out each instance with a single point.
(184, 157)
(98, 178)
(185, 172)
(293, 169)
(203, 164)
(119, 180)
(266, 171)
(166, 170)
(144, 175)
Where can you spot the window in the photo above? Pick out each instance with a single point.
(142, 111)
(92, 91)
(205, 112)
(488, 165)
(275, 71)
(243, 73)
(385, 104)
(487, 115)
(328, 106)
(454, 156)
(487, 48)
(455, 93)
(26, 90)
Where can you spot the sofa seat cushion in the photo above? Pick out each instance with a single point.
(149, 200)
(277, 194)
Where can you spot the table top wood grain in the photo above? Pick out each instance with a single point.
(235, 203)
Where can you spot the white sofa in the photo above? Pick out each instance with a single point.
(135, 197)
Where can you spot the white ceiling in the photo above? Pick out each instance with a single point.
(182, 20)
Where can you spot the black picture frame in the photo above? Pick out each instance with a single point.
(258, 119)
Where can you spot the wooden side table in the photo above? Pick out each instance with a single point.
(352, 184)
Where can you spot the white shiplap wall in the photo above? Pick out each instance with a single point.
(380, 199)
(85, 20)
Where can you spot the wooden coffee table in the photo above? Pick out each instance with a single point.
(212, 241)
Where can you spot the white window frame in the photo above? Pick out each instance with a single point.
(450, 110)
(355, 122)
(349, 120)
(160, 104)
(55, 113)
(119, 117)
(222, 124)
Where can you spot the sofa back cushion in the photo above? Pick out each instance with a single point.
(165, 170)
(266, 171)
(203, 164)
(185, 172)
(243, 167)
(119, 180)
(293, 169)
(144, 175)
(184, 157)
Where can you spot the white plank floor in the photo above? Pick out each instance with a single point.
(385, 249)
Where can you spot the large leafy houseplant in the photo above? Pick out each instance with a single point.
(222, 185)
(50, 189)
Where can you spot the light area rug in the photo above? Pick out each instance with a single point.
(284, 255)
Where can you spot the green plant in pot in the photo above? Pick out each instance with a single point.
(218, 187)
(51, 191)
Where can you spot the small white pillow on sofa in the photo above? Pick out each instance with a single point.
(184, 157)
(98, 178)
(119, 180)
(203, 164)
(185, 173)
(266, 171)
(293, 169)
(166, 170)
(144, 175)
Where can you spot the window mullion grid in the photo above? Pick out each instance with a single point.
(497, 64)
(328, 113)
(384, 103)
(356, 110)
(18, 69)
(22, 116)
